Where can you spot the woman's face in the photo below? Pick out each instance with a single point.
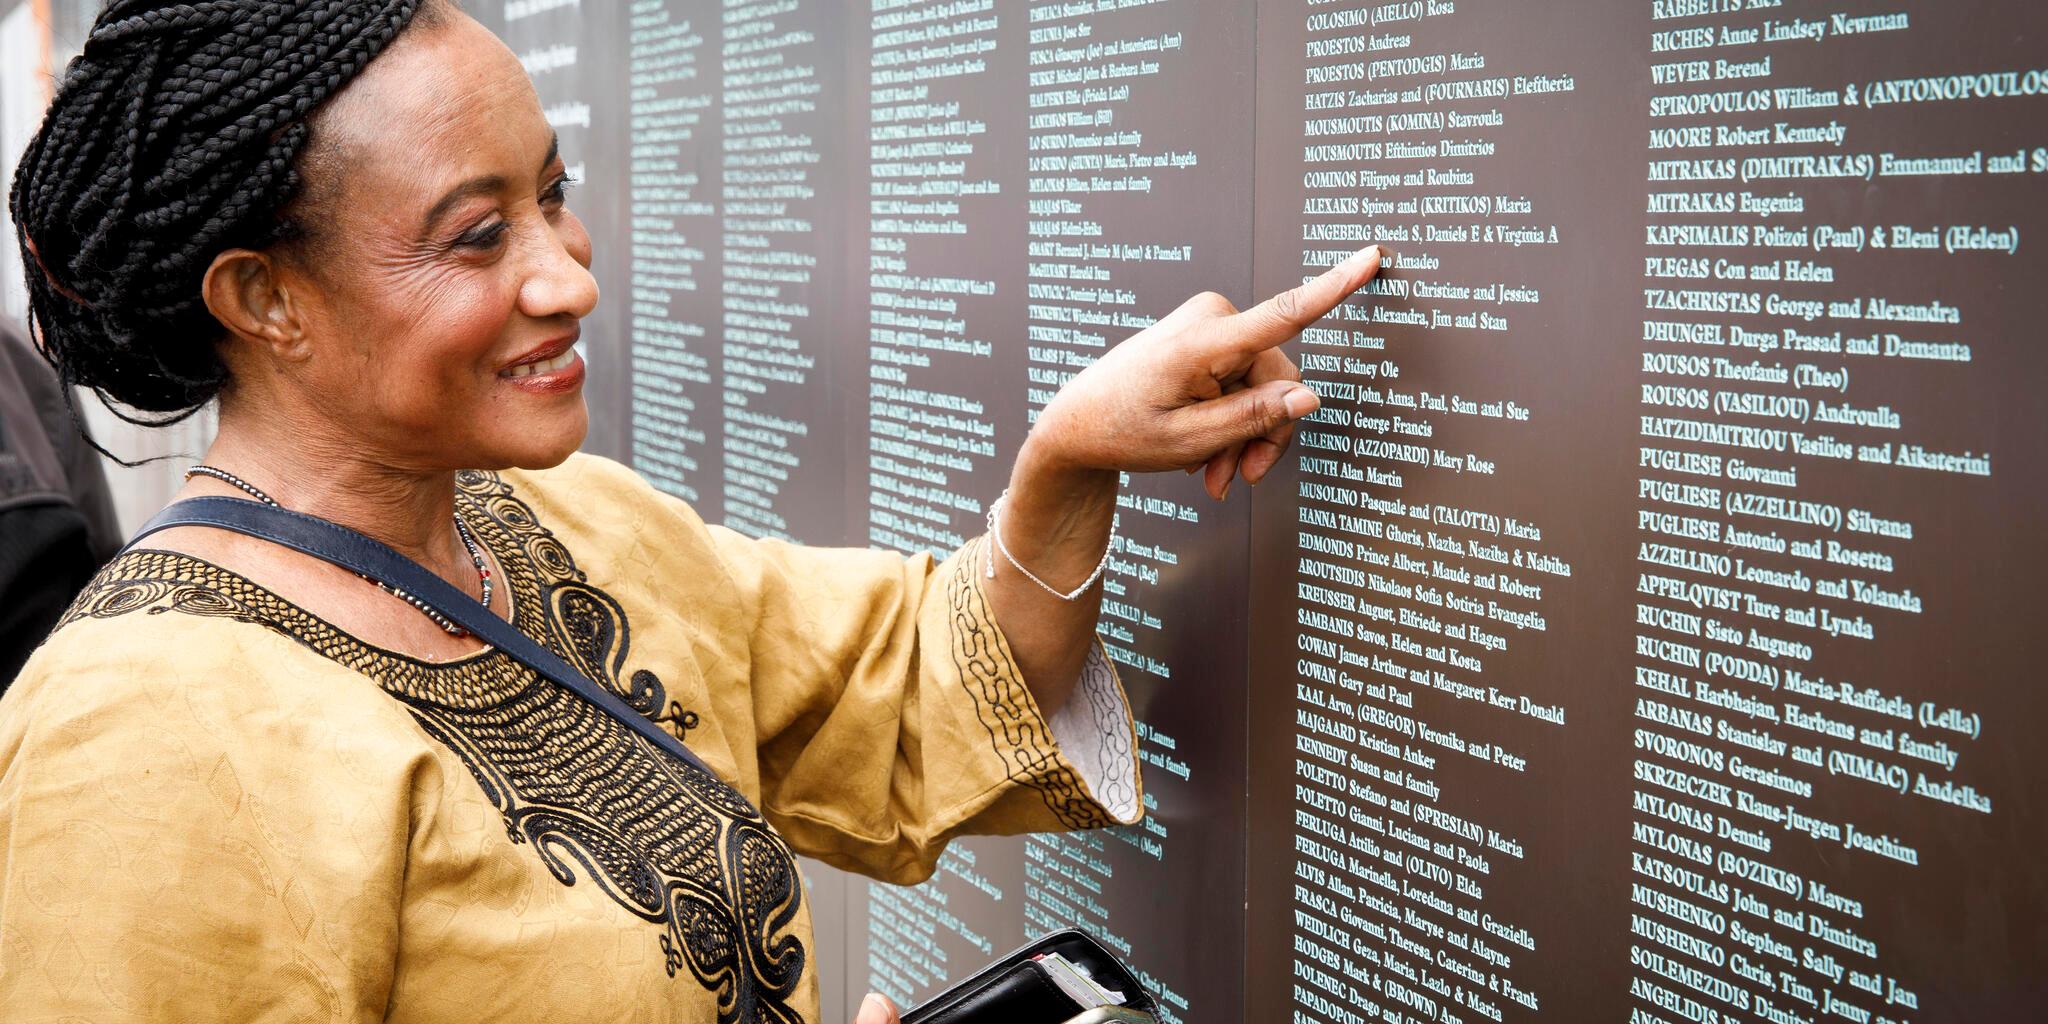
(442, 276)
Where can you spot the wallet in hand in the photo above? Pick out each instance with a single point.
(1052, 980)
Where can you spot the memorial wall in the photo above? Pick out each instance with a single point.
(1645, 629)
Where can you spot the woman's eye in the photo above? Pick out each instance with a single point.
(483, 237)
(557, 193)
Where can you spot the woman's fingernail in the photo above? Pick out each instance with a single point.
(1386, 256)
(1299, 402)
(872, 1004)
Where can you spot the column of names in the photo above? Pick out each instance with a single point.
(769, 151)
(671, 232)
(1423, 581)
(1804, 322)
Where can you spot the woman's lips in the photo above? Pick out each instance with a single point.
(561, 373)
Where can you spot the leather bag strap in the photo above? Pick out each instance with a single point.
(368, 557)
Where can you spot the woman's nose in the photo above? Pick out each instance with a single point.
(561, 282)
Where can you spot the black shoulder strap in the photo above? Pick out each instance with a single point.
(368, 557)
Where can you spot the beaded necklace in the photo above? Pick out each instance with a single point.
(476, 554)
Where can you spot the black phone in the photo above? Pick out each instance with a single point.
(1053, 979)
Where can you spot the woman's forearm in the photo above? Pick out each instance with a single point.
(1056, 522)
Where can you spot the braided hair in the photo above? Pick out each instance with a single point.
(175, 135)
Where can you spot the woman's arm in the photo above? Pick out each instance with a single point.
(1205, 388)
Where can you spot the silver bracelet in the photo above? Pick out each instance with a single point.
(995, 533)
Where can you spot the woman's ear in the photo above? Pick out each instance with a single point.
(247, 292)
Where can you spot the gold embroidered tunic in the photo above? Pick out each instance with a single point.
(216, 806)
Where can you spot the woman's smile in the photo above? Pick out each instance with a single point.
(553, 369)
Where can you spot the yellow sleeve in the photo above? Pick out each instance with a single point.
(187, 837)
(890, 716)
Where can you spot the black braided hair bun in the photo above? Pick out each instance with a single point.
(174, 136)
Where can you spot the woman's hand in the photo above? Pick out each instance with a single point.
(1205, 388)
(876, 1009)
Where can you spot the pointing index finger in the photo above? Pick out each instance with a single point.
(1283, 316)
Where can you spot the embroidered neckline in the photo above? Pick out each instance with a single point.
(238, 597)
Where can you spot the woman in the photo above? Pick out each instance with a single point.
(240, 784)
